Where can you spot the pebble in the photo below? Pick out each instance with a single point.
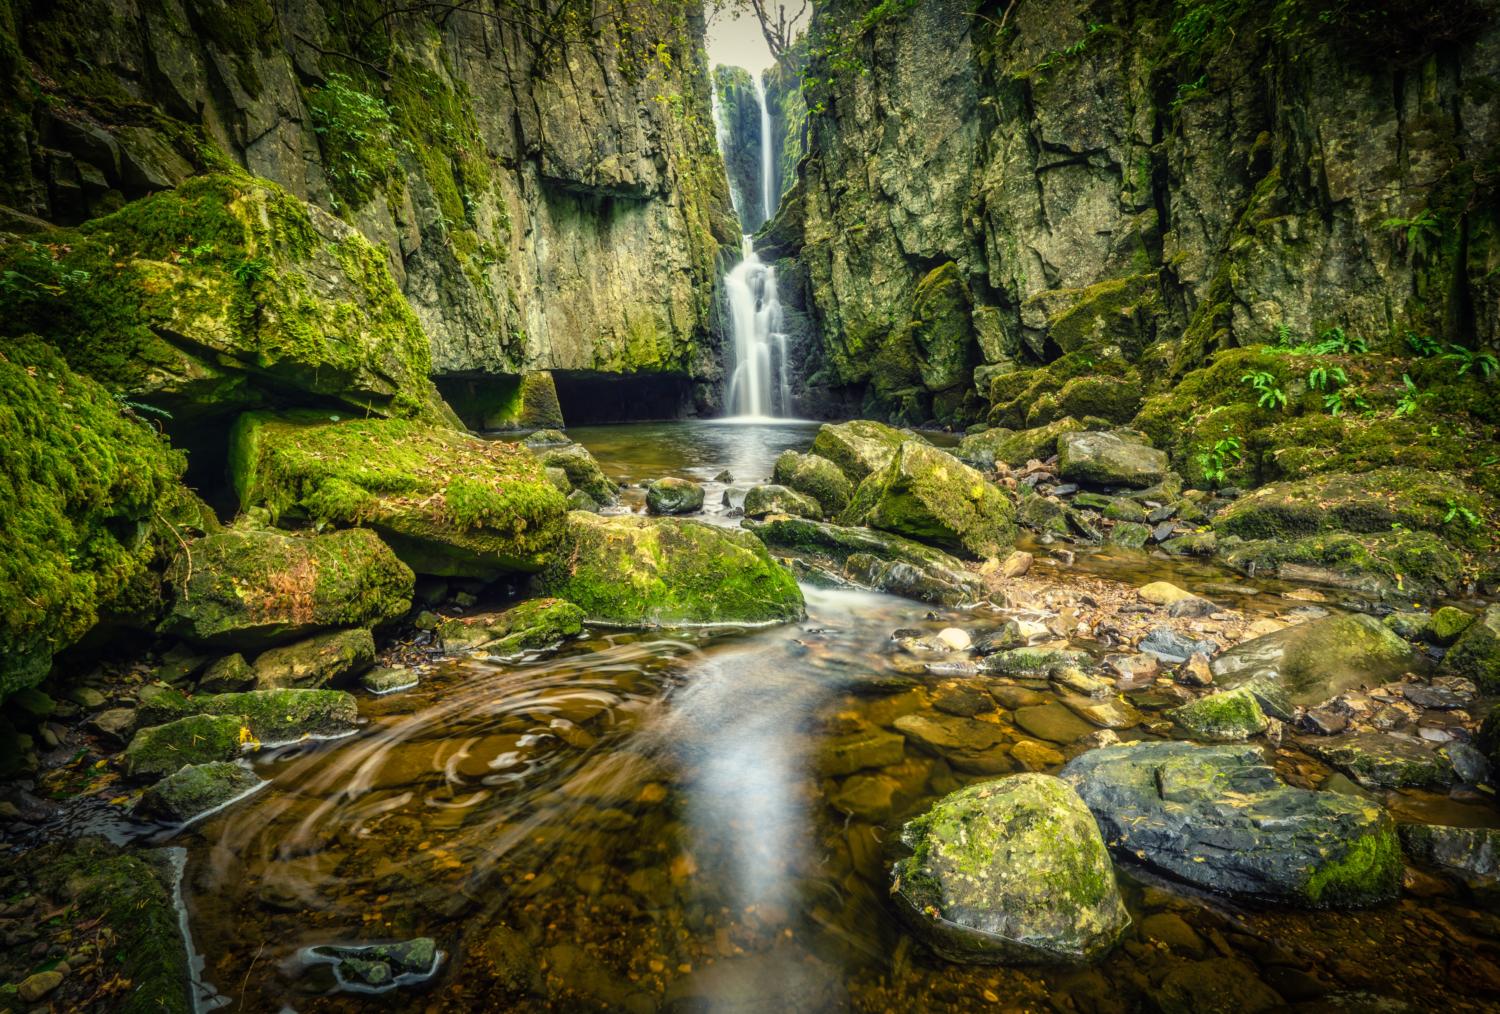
(954, 639)
(34, 987)
(1016, 564)
(1196, 672)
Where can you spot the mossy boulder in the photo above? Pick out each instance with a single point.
(285, 716)
(927, 494)
(763, 501)
(87, 494)
(1038, 443)
(642, 572)
(816, 477)
(579, 466)
(1112, 399)
(1109, 459)
(253, 589)
(193, 791)
(978, 449)
(224, 291)
(160, 750)
(1393, 565)
(536, 623)
(858, 447)
(1446, 625)
(1306, 664)
(673, 496)
(1012, 870)
(315, 662)
(1220, 818)
(875, 560)
(1222, 717)
(1476, 653)
(448, 503)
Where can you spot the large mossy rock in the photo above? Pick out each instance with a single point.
(1220, 818)
(315, 662)
(927, 494)
(537, 623)
(84, 487)
(160, 750)
(221, 292)
(255, 589)
(875, 560)
(193, 791)
(672, 495)
(858, 447)
(580, 467)
(1306, 664)
(1221, 718)
(763, 501)
(1476, 653)
(1109, 459)
(1379, 760)
(448, 503)
(643, 572)
(1012, 870)
(1015, 448)
(816, 477)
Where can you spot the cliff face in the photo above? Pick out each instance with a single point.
(543, 204)
(739, 143)
(1141, 183)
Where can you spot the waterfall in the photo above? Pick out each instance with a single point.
(757, 380)
(721, 133)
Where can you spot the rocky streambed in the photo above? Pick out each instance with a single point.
(895, 729)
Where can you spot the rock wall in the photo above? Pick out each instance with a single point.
(543, 205)
(739, 143)
(1137, 183)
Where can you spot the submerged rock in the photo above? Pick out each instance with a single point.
(254, 589)
(1012, 870)
(448, 503)
(317, 661)
(538, 623)
(1470, 855)
(762, 501)
(926, 494)
(1221, 718)
(195, 739)
(1306, 664)
(877, 560)
(1109, 459)
(640, 572)
(1219, 817)
(196, 789)
(673, 496)
(816, 477)
(858, 447)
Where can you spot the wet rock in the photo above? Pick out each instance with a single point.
(197, 739)
(316, 662)
(196, 789)
(1129, 535)
(1109, 459)
(1162, 593)
(867, 748)
(1470, 855)
(947, 733)
(1196, 671)
(928, 495)
(1476, 653)
(1116, 713)
(1220, 818)
(1133, 671)
(546, 438)
(1223, 717)
(534, 624)
(1436, 698)
(858, 447)
(228, 675)
(1169, 646)
(1215, 986)
(992, 641)
(1306, 664)
(381, 966)
(640, 572)
(1191, 608)
(34, 987)
(1053, 722)
(763, 501)
(388, 681)
(869, 797)
(1469, 764)
(254, 589)
(1012, 870)
(1406, 623)
(876, 560)
(1325, 721)
(1015, 564)
(1380, 760)
(673, 496)
(1035, 756)
(963, 699)
(814, 477)
(1014, 697)
(1172, 930)
(583, 472)
(1075, 679)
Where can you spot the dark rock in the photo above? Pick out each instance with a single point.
(1170, 646)
(1470, 855)
(194, 790)
(1471, 765)
(1220, 818)
(1434, 697)
(1378, 760)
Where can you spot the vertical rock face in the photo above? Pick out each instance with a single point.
(1090, 181)
(543, 204)
(740, 143)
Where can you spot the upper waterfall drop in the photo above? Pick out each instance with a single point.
(758, 376)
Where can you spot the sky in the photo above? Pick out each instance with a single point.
(737, 42)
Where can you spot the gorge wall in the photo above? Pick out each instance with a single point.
(993, 197)
(543, 202)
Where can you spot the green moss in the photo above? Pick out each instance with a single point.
(1447, 624)
(815, 477)
(1369, 871)
(635, 571)
(83, 482)
(1117, 311)
(286, 715)
(1392, 564)
(196, 739)
(195, 789)
(450, 503)
(536, 623)
(928, 495)
(1222, 717)
(354, 132)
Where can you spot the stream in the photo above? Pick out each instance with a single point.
(639, 822)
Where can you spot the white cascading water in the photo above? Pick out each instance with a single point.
(757, 384)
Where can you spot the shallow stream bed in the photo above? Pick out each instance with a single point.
(647, 821)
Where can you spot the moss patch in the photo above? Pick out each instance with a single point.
(1370, 870)
(929, 495)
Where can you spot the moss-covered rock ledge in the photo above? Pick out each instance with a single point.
(449, 504)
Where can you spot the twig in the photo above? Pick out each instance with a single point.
(246, 980)
(342, 55)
